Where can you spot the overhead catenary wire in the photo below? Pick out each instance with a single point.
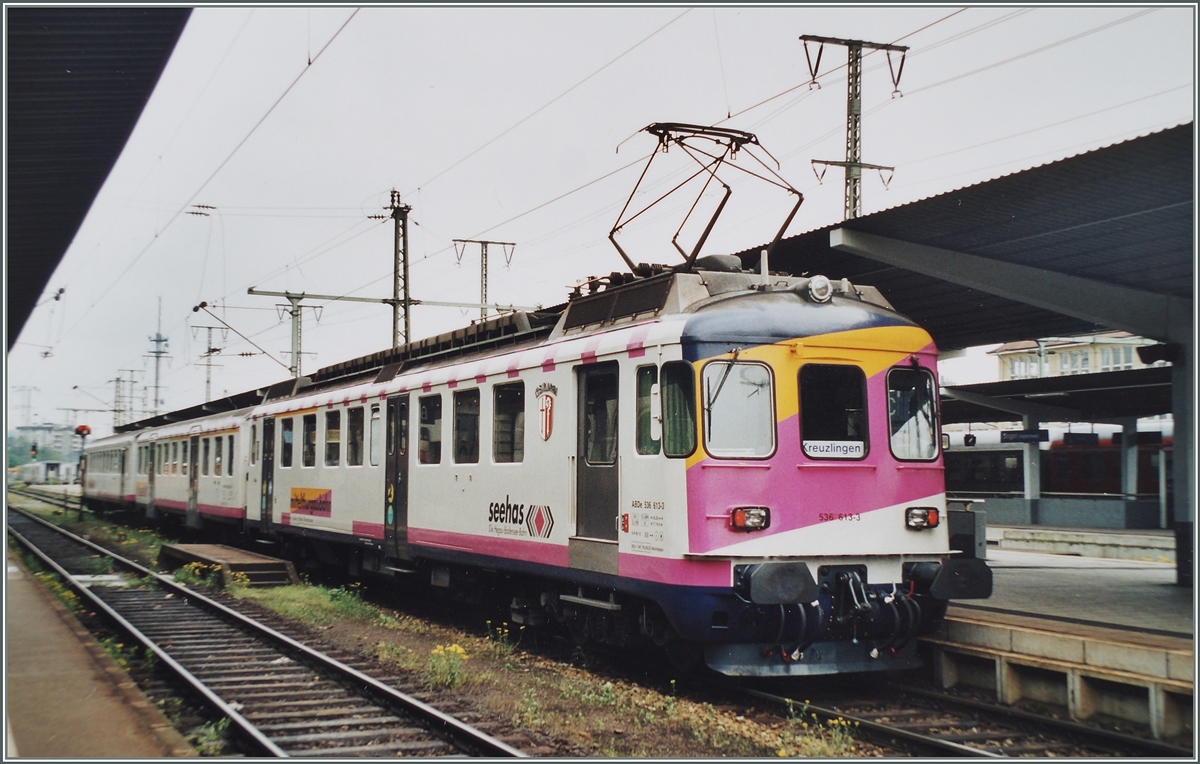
(250, 211)
(214, 174)
(551, 102)
(840, 127)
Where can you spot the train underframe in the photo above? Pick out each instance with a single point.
(778, 619)
(795, 624)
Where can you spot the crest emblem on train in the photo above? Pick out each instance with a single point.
(546, 407)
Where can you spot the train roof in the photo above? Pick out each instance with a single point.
(707, 292)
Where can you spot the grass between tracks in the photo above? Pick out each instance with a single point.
(573, 709)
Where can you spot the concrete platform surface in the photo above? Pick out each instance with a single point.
(65, 698)
(1107, 592)
(1143, 545)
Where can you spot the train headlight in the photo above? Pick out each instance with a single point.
(920, 518)
(819, 289)
(750, 518)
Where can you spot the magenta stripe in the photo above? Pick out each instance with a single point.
(370, 530)
(212, 509)
(678, 572)
(519, 549)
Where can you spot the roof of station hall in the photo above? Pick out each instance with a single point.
(1121, 214)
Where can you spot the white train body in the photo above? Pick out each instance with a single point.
(46, 473)
(597, 470)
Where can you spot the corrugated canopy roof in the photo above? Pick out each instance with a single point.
(77, 81)
(1121, 214)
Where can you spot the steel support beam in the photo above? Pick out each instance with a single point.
(1039, 411)
(1162, 317)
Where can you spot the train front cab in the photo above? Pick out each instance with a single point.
(826, 501)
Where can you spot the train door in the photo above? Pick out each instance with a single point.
(152, 458)
(396, 478)
(597, 470)
(193, 508)
(267, 484)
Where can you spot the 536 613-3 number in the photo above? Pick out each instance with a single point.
(827, 517)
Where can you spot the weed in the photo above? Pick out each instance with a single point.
(807, 736)
(314, 605)
(500, 643)
(388, 652)
(197, 574)
(101, 565)
(172, 708)
(444, 670)
(528, 709)
(118, 651)
(148, 581)
(60, 590)
(401, 622)
(210, 738)
(237, 579)
(581, 657)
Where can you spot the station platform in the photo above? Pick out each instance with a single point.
(1099, 638)
(1093, 630)
(1140, 545)
(65, 697)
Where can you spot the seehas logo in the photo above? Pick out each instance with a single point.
(537, 518)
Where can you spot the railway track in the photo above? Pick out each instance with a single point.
(918, 721)
(282, 698)
(935, 724)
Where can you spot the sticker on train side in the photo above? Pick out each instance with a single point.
(312, 501)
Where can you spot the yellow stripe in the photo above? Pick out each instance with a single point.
(872, 350)
(298, 413)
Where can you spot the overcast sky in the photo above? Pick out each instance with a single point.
(292, 125)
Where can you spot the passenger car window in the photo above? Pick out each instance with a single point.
(333, 438)
(285, 446)
(308, 447)
(679, 409)
(376, 436)
(466, 426)
(508, 423)
(600, 419)
(354, 436)
(647, 377)
(429, 445)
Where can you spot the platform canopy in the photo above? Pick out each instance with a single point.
(77, 81)
(1102, 240)
(1096, 242)
(1109, 396)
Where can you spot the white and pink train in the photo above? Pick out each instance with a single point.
(741, 469)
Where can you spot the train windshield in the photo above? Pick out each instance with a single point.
(912, 414)
(833, 411)
(739, 410)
